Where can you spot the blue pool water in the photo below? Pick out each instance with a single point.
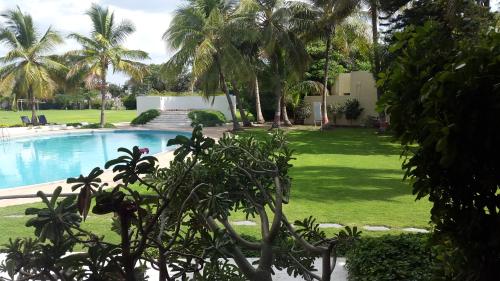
(42, 159)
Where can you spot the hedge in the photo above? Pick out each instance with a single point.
(207, 118)
(391, 257)
(145, 117)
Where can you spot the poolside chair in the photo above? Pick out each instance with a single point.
(317, 113)
(26, 121)
(42, 120)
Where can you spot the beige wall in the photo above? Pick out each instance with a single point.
(361, 85)
(342, 84)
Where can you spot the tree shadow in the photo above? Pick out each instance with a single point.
(334, 184)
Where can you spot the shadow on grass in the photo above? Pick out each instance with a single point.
(335, 184)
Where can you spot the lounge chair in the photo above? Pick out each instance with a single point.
(317, 113)
(42, 120)
(26, 121)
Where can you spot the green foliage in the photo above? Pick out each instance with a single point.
(352, 109)
(302, 112)
(183, 219)
(145, 117)
(336, 111)
(391, 258)
(441, 91)
(207, 118)
(98, 126)
(130, 102)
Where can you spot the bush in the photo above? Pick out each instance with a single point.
(207, 118)
(98, 126)
(443, 98)
(352, 109)
(130, 102)
(302, 112)
(145, 117)
(336, 111)
(390, 257)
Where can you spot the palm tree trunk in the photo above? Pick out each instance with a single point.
(376, 54)
(236, 125)
(324, 114)
(286, 120)
(258, 109)
(239, 103)
(103, 101)
(13, 105)
(34, 118)
(277, 107)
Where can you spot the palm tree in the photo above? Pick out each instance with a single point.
(202, 35)
(272, 21)
(28, 68)
(103, 49)
(324, 16)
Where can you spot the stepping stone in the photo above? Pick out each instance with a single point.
(376, 228)
(330, 225)
(417, 230)
(251, 223)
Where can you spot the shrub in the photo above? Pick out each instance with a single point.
(443, 98)
(302, 112)
(98, 126)
(75, 124)
(352, 109)
(207, 118)
(130, 102)
(145, 117)
(390, 257)
(336, 111)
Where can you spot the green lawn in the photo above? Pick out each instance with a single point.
(347, 176)
(352, 177)
(69, 116)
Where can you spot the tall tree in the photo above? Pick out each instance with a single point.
(272, 22)
(28, 68)
(103, 50)
(202, 36)
(325, 16)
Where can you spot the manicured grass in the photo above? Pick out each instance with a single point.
(352, 177)
(347, 176)
(69, 116)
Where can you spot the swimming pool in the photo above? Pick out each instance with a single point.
(42, 159)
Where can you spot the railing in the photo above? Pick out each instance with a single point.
(4, 134)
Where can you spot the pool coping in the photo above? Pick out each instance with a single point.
(164, 159)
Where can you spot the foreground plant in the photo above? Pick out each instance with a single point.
(181, 226)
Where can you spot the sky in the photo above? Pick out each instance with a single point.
(151, 19)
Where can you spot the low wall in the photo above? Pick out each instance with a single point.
(219, 103)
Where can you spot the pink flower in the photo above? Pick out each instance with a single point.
(144, 150)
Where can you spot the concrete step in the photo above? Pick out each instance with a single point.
(171, 118)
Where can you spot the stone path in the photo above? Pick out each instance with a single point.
(336, 225)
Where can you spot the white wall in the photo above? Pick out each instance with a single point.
(184, 103)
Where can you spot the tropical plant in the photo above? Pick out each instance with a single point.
(336, 110)
(203, 37)
(352, 109)
(28, 67)
(322, 18)
(182, 221)
(446, 117)
(271, 24)
(103, 50)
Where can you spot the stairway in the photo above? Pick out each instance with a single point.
(171, 118)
